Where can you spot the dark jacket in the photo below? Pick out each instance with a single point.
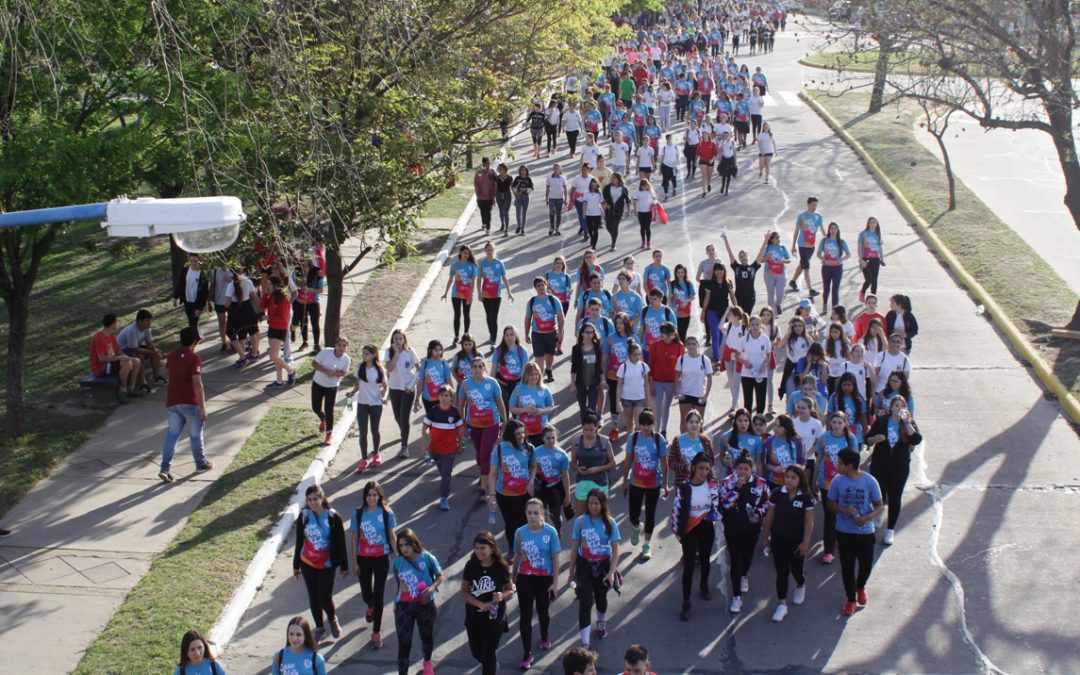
(577, 366)
(901, 452)
(200, 296)
(616, 207)
(339, 556)
(911, 327)
(681, 507)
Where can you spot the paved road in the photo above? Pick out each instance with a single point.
(957, 593)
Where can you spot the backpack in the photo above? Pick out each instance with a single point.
(656, 441)
(555, 304)
(668, 315)
(213, 667)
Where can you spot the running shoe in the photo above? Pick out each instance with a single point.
(404, 454)
(685, 614)
(429, 668)
(166, 477)
(800, 595)
(888, 538)
(601, 629)
(292, 378)
(322, 426)
(444, 504)
(861, 597)
(376, 641)
(744, 585)
(848, 609)
(780, 613)
(319, 634)
(646, 552)
(335, 628)
(736, 604)
(545, 643)
(635, 536)
(205, 466)
(361, 467)
(526, 662)
(376, 460)
(827, 559)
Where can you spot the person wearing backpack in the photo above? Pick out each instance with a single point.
(300, 655)
(320, 547)
(643, 476)
(373, 544)
(196, 657)
(511, 468)
(592, 458)
(693, 381)
(419, 576)
(663, 357)
(835, 439)
(654, 315)
(633, 391)
(545, 321)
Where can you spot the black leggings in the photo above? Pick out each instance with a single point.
(645, 224)
(305, 314)
(491, 313)
(753, 393)
(320, 592)
(691, 161)
(552, 133)
(740, 544)
(485, 215)
(461, 306)
(513, 513)
(870, 275)
(502, 200)
(484, 637)
(855, 549)
(533, 590)
(787, 562)
(650, 496)
(670, 175)
(593, 224)
(553, 497)
(828, 534)
(401, 401)
(892, 475)
(696, 548)
(369, 415)
(322, 402)
(571, 140)
(613, 401)
(406, 615)
(725, 177)
(682, 327)
(590, 589)
(755, 124)
(373, 572)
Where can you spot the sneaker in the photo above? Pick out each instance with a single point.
(428, 461)
(526, 662)
(780, 613)
(793, 286)
(240, 362)
(444, 504)
(862, 296)
(549, 376)
(276, 385)
(302, 347)
(888, 538)
(160, 380)
(601, 629)
(814, 293)
(646, 552)
(648, 244)
(861, 597)
(545, 643)
(376, 641)
(454, 343)
(166, 477)
(361, 467)
(205, 466)
(613, 435)
(224, 348)
(404, 454)
(319, 634)
(335, 628)
(558, 351)
(429, 668)
(376, 460)
(744, 585)
(684, 615)
(322, 426)
(635, 536)
(736, 604)
(292, 378)
(800, 595)
(827, 559)
(369, 615)
(848, 609)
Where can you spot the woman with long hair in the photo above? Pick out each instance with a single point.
(901, 321)
(592, 458)
(371, 383)
(643, 477)
(789, 523)
(493, 282)
(555, 196)
(895, 384)
(503, 181)
(634, 390)
(836, 439)
(871, 256)
(511, 469)
(744, 498)
(433, 373)
(486, 585)
(837, 350)
(522, 187)
(419, 576)
(461, 362)
(682, 296)
(644, 199)
(481, 403)
(373, 543)
(508, 362)
(331, 365)
(848, 398)
(320, 547)
(531, 402)
(594, 564)
(275, 302)
(402, 364)
(587, 367)
(693, 382)
(894, 437)
(550, 480)
(616, 199)
(300, 655)
(196, 658)
(536, 565)
(463, 274)
(832, 252)
(693, 522)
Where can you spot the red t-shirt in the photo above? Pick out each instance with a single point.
(277, 312)
(662, 358)
(102, 345)
(183, 364)
(862, 323)
(706, 151)
(443, 425)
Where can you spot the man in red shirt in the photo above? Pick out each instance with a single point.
(106, 359)
(185, 403)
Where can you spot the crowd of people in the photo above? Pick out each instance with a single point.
(642, 379)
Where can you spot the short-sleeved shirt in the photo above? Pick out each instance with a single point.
(434, 373)
(833, 250)
(828, 454)
(414, 577)
(682, 298)
(131, 337)
(484, 582)
(328, 359)
(483, 411)
(543, 313)
(524, 396)
(515, 466)
(559, 284)
(594, 543)
(744, 278)
(789, 513)
(293, 663)
(749, 441)
(443, 425)
(550, 464)
(403, 376)
(694, 370)
(536, 549)
(464, 276)
(656, 276)
(618, 353)
(633, 380)
(809, 224)
(203, 668)
(507, 364)
(102, 344)
(860, 492)
(371, 532)
(628, 302)
(182, 364)
(649, 453)
(491, 280)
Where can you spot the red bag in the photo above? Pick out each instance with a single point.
(660, 213)
(570, 202)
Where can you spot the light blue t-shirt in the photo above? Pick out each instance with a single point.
(859, 492)
(464, 276)
(493, 271)
(203, 668)
(748, 441)
(809, 224)
(629, 302)
(594, 543)
(537, 548)
(603, 296)
(832, 249)
(302, 663)
(371, 531)
(524, 396)
(550, 464)
(649, 455)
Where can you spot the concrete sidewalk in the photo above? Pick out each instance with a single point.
(84, 536)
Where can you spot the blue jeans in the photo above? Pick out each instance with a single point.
(179, 415)
(582, 228)
(713, 319)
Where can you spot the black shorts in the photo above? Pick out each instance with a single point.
(692, 400)
(765, 154)
(742, 127)
(130, 351)
(544, 344)
(703, 163)
(806, 254)
(277, 334)
(645, 170)
(220, 309)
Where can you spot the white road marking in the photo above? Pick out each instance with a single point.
(791, 98)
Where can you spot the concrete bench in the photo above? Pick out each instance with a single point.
(103, 387)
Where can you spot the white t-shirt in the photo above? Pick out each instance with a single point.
(645, 156)
(694, 370)
(861, 371)
(756, 104)
(590, 154)
(556, 186)
(552, 115)
(644, 200)
(756, 350)
(666, 96)
(727, 148)
(809, 431)
(191, 286)
(700, 501)
(633, 380)
(580, 186)
(836, 359)
(571, 121)
(705, 267)
(693, 136)
(593, 204)
(327, 359)
(669, 155)
(370, 392)
(404, 374)
(619, 152)
(889, 365)
(131, 337)
(766, 144)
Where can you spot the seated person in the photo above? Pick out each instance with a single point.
(137, 340)
(107, 360)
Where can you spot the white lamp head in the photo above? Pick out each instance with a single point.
(200, 224)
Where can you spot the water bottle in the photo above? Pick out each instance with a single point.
(491, 512)
(493, 613)
(980, 310)
(349, 403)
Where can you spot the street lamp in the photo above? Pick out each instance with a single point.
(199, 224)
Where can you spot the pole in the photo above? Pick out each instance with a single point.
(59, 214)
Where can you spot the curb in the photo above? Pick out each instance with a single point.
(229, 620)
(1019, 343)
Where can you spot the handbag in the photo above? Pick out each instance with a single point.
(661, 213)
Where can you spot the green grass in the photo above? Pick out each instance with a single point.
(864, 61)
(988, 249)
(189, 583)
(452, 202)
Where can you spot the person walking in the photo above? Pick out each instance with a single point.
(484, 189)
(371, 383)
(192, 288)
(744, 497)
(511, 468)
(373, 544)
(196, 657)
(492, 282)
(555, 196)
(330, 366)
(789, 523)
(643, 477)
(486, 585)
(419, 576)
(594, 564)
(855, 497)
(320, 547)
(536, 576)
(442, 438)
(893, 437)
(832, 251)
(402, 364)
(300, 655)
(463, 274)
(871, 256)
(522, 188)
(693, 516)
(503, 198)
(185, 404)
(616, 199)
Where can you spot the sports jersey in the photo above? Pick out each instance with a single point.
(524, 396)
(594, 542)
(515, 465)
(482, 411)
(443, 424)
(536, 549)
(464, 276)
(371, 529)
(491, 282)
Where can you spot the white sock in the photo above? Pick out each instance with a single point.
(585, 634)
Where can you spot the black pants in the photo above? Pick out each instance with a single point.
(891, 474)
(587, 397)
(571, 140)
(513, 512)
(746, 301)
(611, 222)
(725, 174)
(461, 308)
(650, 496)
(682, 326)
(593, 223)
(553, 497)
(613, 401)
(669, 175)
(502, 200)
(368, 415)
(406, 615)
(401, 401)
(741, 542)
(870, 275)
(320, 592)
(189, 312)
(691, 161)
(491, 313)
(373, 572)
(304, 315)
(828, 534)
(787, 562)
(696, 548)
(682, 102)
(856, 550)
(645, 224)
(485, 212)
(590, 590)
(533, 590)
(755, 125)
(753, 394)
(552, 133)
(484, 637)
(322, 402)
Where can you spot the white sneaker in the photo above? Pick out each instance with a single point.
(888, 538)
(736, 604)
(744, 584)
(780, 613)
(800, 595)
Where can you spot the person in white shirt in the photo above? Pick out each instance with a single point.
(579, 187)
(594, 212)
(552, 117)
(619, 153)
(754, 357)
(891, 361)
(572, 123)
(643, 199)
(757, 103)
(634, 389)
(665, 99)
(669, 165)
(727, 162)
(330, 365)
(590, 152)
(766, 150)
(645, 155)
(402, 364)
(555, 198)
(693, 381)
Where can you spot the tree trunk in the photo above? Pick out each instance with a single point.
(334, 288)
(178, 259)
(18, 306)
(1061, 121)
(881, 74)
(940, 138)
(1074, 322)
